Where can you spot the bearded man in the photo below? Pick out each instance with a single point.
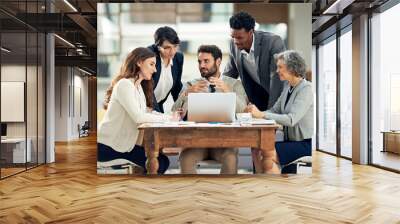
(209, 61)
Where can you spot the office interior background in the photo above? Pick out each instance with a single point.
(49, 83)
(123, 27)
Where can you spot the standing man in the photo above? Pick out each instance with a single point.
(169, 64)
(251, 59)
(209, 59)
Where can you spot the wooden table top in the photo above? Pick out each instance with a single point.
(204, 126)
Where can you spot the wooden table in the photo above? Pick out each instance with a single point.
(158, 136)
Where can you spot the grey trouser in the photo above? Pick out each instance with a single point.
(189, 158)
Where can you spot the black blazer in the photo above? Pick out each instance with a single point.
(176, 77)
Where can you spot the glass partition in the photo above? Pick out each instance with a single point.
(327, 96)
(14, 154)
(22, 88)
(346, 94)
(385, 89)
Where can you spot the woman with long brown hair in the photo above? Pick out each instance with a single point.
(126, 103)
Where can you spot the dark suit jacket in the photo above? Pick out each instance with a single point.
(176, 77)
(265, 46)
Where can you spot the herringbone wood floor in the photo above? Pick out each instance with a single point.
(70, 191)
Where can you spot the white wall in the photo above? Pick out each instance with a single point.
(299, 33)
(71, 94)
(300, 39)
(14, 73)
(61, 103)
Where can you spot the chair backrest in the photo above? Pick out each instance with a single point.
(86, 125)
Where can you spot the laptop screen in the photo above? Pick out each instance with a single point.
(211, 107)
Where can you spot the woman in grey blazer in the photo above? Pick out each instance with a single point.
(293, 110)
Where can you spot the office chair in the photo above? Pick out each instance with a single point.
(118, 168)
(84, 130)
(292, 167)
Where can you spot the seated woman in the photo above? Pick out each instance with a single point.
(126, 102)
(293, 109)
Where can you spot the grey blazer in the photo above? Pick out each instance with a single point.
(298, 115)
(234, 84)
(265, 46)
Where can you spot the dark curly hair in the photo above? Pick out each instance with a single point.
(211, 49)
(242, 20)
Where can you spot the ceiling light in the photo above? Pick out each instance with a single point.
(84, 71)
(338, 6)
(65, 41)
(5, 49)
(70, 5)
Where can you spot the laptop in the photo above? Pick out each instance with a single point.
(211, 107)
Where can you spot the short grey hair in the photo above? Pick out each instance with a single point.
(294, 62)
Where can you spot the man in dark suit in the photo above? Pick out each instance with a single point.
(169, 64)
(252, 59)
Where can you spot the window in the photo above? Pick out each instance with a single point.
(22, 66)
(346, 94)
(385, 84)
(327, 96)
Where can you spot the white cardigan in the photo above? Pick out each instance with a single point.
(126, 111)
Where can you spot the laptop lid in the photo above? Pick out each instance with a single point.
(211, 107)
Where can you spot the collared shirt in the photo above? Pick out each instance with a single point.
(165, 82)
(194, 81)
(211, 88)
(249, 62)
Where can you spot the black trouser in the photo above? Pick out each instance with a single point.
(289, 151)
(137, 156)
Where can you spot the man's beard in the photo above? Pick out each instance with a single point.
(207, 74)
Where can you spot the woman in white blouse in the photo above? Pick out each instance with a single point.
(126, 102)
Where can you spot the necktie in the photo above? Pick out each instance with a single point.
(212, 88)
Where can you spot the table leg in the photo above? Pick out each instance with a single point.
(256, 156)
(152, 161)
(152, 151)
(268, 152)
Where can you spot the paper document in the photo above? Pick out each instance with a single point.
(260, 121)
(190, 124)
(180, 122)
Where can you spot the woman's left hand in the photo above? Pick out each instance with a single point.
(255, 112)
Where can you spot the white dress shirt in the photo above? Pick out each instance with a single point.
(126, 111)
(249, 62)
(165, 82)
